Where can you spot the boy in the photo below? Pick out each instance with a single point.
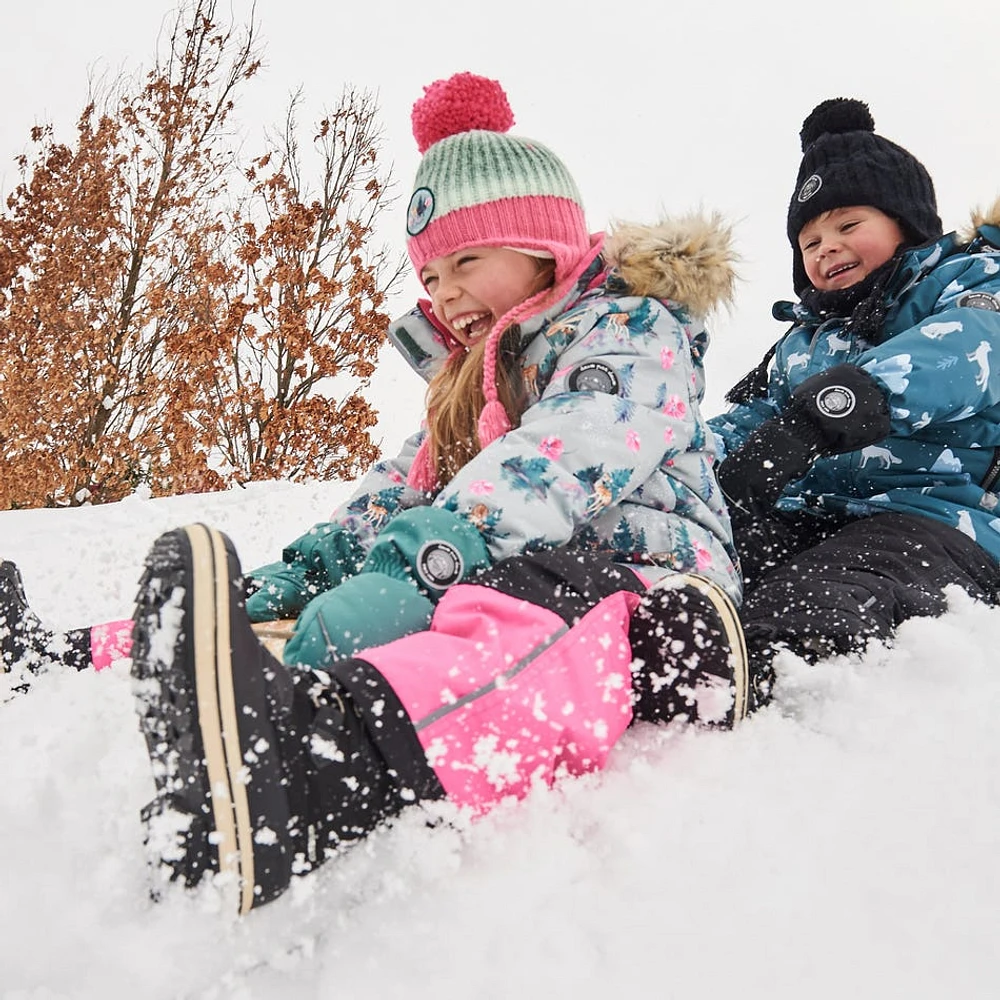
(860, 471)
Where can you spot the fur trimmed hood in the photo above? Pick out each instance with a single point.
(689, 260)
(980, 217)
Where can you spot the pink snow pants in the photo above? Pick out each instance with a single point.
(505, 695)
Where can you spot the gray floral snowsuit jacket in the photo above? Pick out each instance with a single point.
(612, 452)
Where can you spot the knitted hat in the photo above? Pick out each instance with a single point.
(845, 163)
(478, 186)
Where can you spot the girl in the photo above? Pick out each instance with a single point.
(862, 471)
(549, 558)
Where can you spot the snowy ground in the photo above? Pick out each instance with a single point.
(842, 843)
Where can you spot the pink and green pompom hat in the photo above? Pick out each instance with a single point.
(479, 186)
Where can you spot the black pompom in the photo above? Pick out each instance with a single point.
(840, 114)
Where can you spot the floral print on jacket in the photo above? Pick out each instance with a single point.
(612, 452)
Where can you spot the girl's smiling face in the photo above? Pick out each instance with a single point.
(843, 246)
(472, 288)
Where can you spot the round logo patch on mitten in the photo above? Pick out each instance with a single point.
(835, 401)
(439, 565)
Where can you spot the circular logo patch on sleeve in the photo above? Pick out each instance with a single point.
(418, 215)
(593, 376)
(979, 300)
(439, 565)
(809, 187)
(835, 401)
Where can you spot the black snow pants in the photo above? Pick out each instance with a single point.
(818, 588)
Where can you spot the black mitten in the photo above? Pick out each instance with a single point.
(753, 477)
(839, 410)
(843, 409)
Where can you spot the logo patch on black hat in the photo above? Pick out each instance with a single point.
(979, 300)
(835, 401)
(439, 565)
(420, 211)
(593, 376)
(809, 187)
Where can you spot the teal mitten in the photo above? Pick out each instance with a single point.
(367, 610)
(323, 557)
(431, 547)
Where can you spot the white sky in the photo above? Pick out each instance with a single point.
(655, 107)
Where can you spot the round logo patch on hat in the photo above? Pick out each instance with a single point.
(979, 300)
(418, 215)
(835, 401)
(809, 187)
(593, 376)
(439, 564)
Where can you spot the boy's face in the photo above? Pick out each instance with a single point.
(843, 246)
(471, 289)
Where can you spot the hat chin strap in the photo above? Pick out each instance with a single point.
(494, 421)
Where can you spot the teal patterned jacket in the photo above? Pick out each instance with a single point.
(937, 356)
(612, 452)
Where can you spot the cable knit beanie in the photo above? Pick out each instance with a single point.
(845, 163)
(478, 186)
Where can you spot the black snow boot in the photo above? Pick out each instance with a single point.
(262, 771)
(24, 641)
(689, 655)
(216, 710)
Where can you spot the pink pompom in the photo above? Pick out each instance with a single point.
(461, 103)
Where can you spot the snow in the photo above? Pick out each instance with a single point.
(842, 843)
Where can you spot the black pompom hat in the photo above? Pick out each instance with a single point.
(845, 163)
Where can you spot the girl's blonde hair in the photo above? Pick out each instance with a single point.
(456, 397)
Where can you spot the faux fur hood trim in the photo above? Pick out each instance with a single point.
(989, 217)
(689, 260)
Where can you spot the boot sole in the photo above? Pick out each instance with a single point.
(16, 647)
(190, 718)
(729, 617)
(217, 715)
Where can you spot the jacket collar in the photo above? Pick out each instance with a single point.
(425, 344)
(687, 261)
(910, 267)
